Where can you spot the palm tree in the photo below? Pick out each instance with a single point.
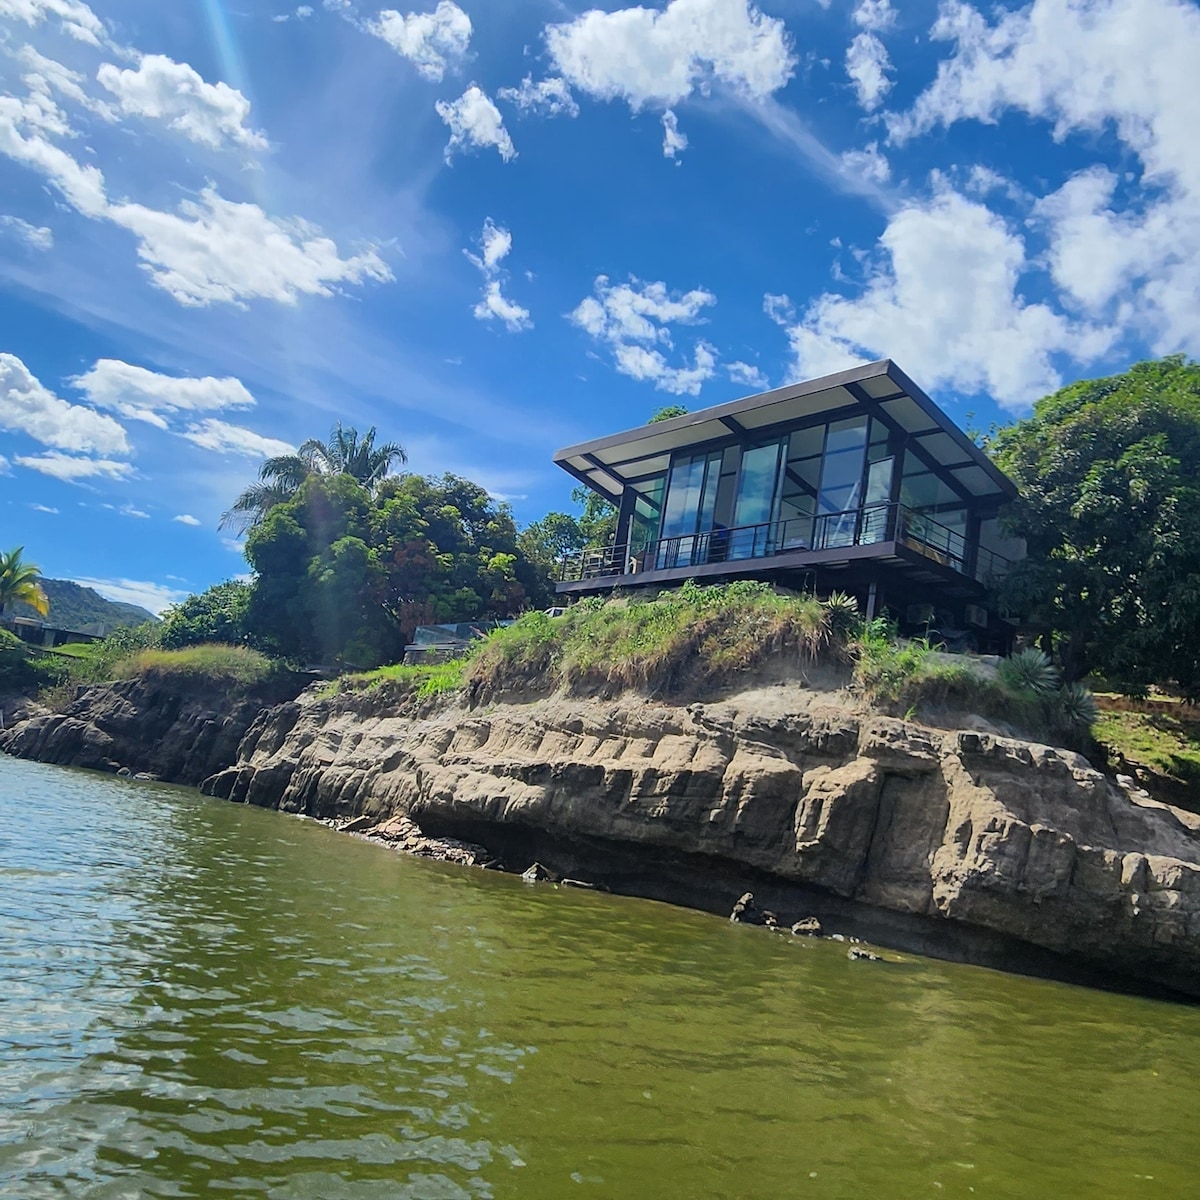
(345, 453)
(19, 583)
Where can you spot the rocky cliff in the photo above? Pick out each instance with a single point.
(958, 841)
(174, 728)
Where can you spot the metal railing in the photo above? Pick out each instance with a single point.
(829, 531)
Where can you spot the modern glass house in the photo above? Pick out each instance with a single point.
(855, 482)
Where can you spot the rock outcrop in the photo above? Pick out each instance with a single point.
(171, 728)
(976, 839)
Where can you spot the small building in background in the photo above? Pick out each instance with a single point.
(854, 482)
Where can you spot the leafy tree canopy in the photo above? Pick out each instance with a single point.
(217, 615)
(1110, 510)
(345, 574)
(666, 413)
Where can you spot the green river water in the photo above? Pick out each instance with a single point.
(200, 999)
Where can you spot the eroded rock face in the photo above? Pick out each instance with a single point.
(972, 828)
(163, 728)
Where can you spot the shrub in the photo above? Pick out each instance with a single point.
(1030, 671)
(433, 679)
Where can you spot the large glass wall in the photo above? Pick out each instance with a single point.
(824, 486)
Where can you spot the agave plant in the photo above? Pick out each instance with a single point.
(1030, 671)
(842, 611)
(1077, 706)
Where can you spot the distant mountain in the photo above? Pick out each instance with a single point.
(73, 606)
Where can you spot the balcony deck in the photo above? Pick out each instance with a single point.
(891, 535)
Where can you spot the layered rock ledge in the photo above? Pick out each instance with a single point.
(962, 841)
(953, 841)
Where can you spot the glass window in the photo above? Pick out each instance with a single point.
(647, 514)
(840, 494)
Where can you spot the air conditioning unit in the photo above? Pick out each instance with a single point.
(918, 614)
(977, 615)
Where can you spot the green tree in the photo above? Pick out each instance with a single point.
(215, 615)
(1110, 510)
(345, 575)
(344, 453)
(19, 582)
(547, 541)
(666, 413)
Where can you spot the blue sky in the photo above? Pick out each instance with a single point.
(495, 227)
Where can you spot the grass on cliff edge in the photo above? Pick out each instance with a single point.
(433, 679)
(691, 636)
(1165, 739)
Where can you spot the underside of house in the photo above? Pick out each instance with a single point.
(853, 482)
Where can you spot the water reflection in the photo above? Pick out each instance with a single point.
(203, 999)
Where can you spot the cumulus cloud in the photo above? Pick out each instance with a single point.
(674, 142)
(431, 41)
(494, 305)
(645, 56)
(868, 64)
(40, 237)
(211, 250)
(875, 14)
(75, 18)
(29, 408)
(218, 250)
(71, 469)
(186, 519)
(142, 395)
(546, 98)
(870, 163)
(495, 243)
(1128, 253)
(211, 114)
(156, 597)
(475, 123)
(748, 375)
(224, 438)
(945, 299)
(634, 319)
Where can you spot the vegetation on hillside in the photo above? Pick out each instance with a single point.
(1110, 509)
(73, 606)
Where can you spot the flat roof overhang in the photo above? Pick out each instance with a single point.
(610, 464)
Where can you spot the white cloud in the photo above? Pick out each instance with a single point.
(1131, 254)
(44, 76)
(868, 64)
(217, 250)
(44, 508)
(29, 408)
(495, 243)
(156, 597)
(212, 249)
(74, 16)
(546, 98)
(645, 56)
(674, 142)
(127, 510)
(431, 41)
(212, 114)
(748, 375)
(495, 305)
(71, 469)
(875, 14)
(633, 319)
(38, 236)
(5, 466)
(945, 302)
(186, 519)
(304, 12)
(870, 163)
(475, 123)
(223, 438)
(143, 395)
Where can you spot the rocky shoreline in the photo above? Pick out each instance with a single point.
(957, 842)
